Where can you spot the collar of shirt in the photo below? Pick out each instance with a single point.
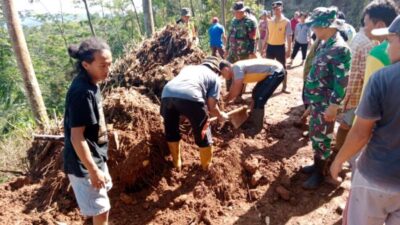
(282, 18)
(331, 41)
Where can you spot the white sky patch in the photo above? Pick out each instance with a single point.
(67, 6)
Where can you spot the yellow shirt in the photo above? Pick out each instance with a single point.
(255, 70)
(278, 31)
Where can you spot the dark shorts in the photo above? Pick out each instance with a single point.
(277, 52)
(220, 51)
(195, 112)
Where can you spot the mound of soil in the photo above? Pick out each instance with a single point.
(156, 62)
(137, 145)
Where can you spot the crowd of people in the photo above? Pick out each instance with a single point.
(349, 78)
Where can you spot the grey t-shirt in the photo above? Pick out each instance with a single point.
(195, 83)
(255, 70)
(380, 162)
(302, 33)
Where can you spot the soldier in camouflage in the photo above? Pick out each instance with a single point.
(241, 39)
(325, 88)
(242, 35)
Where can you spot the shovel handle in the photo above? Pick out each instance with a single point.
(212, 119)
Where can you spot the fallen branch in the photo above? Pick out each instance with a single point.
(48, 137)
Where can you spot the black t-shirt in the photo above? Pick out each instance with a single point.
(83, 108)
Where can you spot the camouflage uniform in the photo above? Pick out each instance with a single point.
(241, 39)
(325, 85)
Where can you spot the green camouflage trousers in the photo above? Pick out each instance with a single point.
(232, 57)
(320, 131)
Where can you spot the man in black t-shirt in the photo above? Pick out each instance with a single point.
(85, 152)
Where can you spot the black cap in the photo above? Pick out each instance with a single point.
(238, 6)
(277, 3)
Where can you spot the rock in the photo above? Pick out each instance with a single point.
(340, 208)
(255, 178)
(251, 165)
(254, 194)
(145, 163)
(283, 193)
(60, 223)
(267, 220)
(333, 182)
(126, 199)
(179, 201)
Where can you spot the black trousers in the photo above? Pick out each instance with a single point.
(278, 52)
(265, 88)
(220, 51)
(297, 47)
(196, 112)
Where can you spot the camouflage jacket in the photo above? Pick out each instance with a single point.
(327, 80)
(242, 36)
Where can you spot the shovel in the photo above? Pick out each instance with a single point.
(237, 116)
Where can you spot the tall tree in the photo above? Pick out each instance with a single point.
(89, 18)
(148, 17)
(192, 8)
(223, 5)
(137, 18)
(24, 61)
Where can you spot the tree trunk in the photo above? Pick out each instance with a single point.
(192, 8)
(223, 3)
(137, 18)
(89, 19)
(148, 17)
(32, 90)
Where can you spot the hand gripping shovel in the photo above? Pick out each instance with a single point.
(237, 116)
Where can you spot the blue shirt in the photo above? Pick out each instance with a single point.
(380, 162)
(194, 83)
(215, 33)
(302, 33)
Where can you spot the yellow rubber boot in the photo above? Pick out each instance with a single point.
(206, 154)
(175, 150)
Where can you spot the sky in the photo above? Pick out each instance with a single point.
(54, 6)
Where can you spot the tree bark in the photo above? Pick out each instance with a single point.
(148, 17)
(223, 4)
(89, 19)
(192, 8)
(32, 89)
(137, 18)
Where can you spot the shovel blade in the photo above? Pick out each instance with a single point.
(238, 118)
